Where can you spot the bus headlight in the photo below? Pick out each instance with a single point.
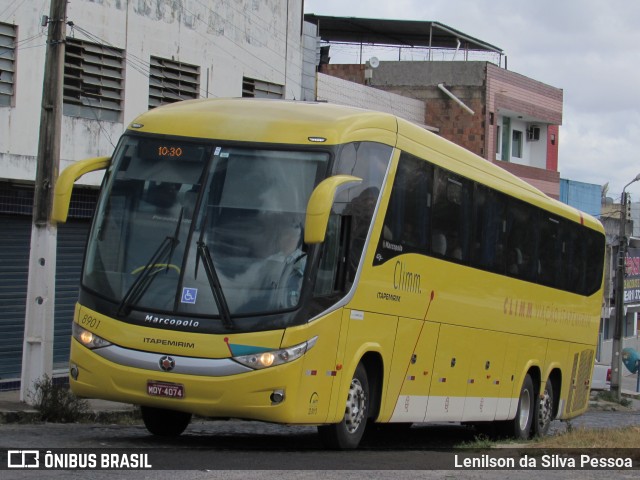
(272, 358)
(87, 338)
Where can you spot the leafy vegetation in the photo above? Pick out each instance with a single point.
(55, 403)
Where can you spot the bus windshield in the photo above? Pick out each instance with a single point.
(200, 229)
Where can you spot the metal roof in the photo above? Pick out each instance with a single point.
(402, 33)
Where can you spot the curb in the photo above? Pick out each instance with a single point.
(102, 417)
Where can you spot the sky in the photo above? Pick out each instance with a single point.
(588, 48)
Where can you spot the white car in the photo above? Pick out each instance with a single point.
(601, 378)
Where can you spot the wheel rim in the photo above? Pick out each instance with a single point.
(356, 405)
(544, 411)
(525, 409)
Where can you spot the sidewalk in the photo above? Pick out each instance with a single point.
(12, 410)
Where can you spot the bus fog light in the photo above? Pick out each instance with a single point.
(73, 371)
(277, 396)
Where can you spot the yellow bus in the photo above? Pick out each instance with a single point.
(307, 263)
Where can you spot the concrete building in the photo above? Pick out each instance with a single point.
(121, 59)
(343, 92)
(502, 116)
(583, 196)
(631, 322)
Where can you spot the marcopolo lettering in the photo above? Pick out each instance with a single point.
(171, 322)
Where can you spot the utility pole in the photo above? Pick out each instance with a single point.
(37, 349)
(616, 359)
(618, 331)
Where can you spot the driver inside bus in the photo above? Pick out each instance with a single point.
(283, 269)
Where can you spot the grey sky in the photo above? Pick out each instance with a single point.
(586, 47)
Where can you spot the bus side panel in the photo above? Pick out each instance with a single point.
(485, 374)
(365, 332)
(558, 357)
(318, 372)
(529, 353)
(450, 374)
(507, 381)
(336, 405)
(411, 371)
(577, 382)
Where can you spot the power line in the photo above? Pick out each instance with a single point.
(15, 4)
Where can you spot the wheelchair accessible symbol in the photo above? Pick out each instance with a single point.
(189, 295)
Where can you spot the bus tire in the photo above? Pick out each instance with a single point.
(347, 434)
(520, 427)
(164, 423)
(544, 410)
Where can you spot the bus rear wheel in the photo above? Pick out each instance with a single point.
(164, 423)
(544, 410)
(348, 433)
(520, 427)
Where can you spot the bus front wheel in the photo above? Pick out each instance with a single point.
(348, 433)
(164, 423)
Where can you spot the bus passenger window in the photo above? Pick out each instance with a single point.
(406, 223)
(451, 213)
(368, 161)
(488, 240)
(522, 239)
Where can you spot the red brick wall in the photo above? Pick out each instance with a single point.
(454, 122)
(524, 95)
(351, 72)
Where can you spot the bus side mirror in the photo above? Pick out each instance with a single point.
(319, 206)
(65, 181)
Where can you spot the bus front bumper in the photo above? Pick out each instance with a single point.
(264, 394)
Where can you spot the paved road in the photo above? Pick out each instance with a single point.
(244, 448)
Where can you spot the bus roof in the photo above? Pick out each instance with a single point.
(313, 123)
(268, 121)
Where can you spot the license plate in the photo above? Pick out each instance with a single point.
(163, 389)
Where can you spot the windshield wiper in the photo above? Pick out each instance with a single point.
(144, 279)
(214, 282)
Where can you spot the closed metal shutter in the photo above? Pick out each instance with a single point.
(15, 237)
(72, 237)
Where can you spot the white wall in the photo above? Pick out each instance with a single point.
(228, 39)
(343, 92)
(534, 152)
(538, 149)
